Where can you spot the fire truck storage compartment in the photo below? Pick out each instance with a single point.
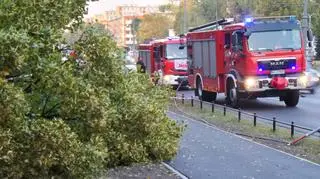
(208, 54)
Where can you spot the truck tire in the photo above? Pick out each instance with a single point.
(253, 98)
(312, 91)
(232, 95)
(198, 91)
(204, 95)
(198, 85)
(292, 98)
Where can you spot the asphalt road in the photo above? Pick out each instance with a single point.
(206, 152)
(307, 112)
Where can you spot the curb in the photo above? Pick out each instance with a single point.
(174, 171)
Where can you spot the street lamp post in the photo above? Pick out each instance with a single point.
(306, 30)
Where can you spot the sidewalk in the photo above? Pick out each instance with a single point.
(209, 153)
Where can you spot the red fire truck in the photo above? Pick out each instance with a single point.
(259, 57)
(164, 61)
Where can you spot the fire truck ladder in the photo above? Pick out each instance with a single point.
(212, 25)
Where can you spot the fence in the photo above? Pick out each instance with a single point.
(246, 115)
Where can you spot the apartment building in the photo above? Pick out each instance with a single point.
(120, 22)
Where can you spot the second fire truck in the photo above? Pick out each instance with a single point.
(164, 60)
(259, 57)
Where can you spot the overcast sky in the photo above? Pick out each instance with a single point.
(104, 5)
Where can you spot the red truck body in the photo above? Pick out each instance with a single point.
(164, 60)
(243, 61)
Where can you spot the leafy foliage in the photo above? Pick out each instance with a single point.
(59, 119)
(147, 26)
(200, 12)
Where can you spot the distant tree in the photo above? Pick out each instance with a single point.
(136, 24)
(278, 8)
(154, 26)
(194, 18)
(166, 7)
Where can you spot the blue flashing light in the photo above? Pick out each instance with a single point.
(261, 68)
(248, 20)
(293, 67)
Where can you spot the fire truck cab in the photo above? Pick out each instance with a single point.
(260, 57)
(165, 61)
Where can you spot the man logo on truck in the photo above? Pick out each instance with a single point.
(277, 63)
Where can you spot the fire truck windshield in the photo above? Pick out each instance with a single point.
(275, 40)
(174, 52)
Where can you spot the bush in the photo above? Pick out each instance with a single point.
(60, 120)
(40, 148)
(139, 130)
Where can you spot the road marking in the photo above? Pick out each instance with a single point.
(213, 127)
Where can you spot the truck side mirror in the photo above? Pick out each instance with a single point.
(182, 43)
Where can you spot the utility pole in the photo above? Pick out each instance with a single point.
(305, 29)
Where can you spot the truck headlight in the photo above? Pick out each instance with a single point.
(167, 78)
(303, 80)
(250, 83)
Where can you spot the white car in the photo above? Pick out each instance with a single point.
(130, 64)
(313, 80)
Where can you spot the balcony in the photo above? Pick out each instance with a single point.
(130, 42)
(129, 35)
(128, 22)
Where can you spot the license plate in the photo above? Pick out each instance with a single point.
(277, 72)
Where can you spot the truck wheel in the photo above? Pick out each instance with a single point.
(232, 95)
(253, 98)
(204, 95)
(292, 98)
(198, 91)
(312, 91)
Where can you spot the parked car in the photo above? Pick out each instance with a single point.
(313, 80)
(130, 64)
